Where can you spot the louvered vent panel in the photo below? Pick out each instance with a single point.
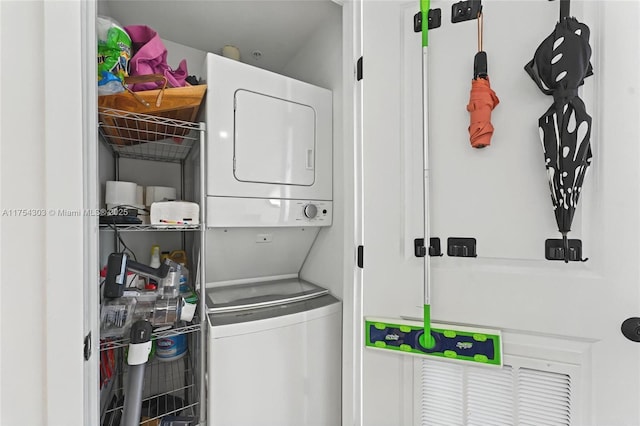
(544, 398)
(490, 396)
(442, 400)
(473, 396)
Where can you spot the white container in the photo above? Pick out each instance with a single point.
(170, 285)
(120, 193)
(174, 213)
(160, 193)
(171, 348)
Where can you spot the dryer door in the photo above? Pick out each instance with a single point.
(274, 140)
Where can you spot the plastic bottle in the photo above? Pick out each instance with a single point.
(179, 256)
(184, 278)
(170, 286)
(154, 263)
(155, 256)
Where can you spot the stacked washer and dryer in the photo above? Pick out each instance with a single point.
(275, 340)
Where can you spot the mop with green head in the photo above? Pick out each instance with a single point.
(478, 345)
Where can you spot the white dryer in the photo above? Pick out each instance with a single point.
(269, 148)
(274, 355)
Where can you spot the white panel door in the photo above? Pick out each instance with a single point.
(393, 209)
(500, 196)
(552, 314)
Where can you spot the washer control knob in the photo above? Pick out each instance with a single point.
(310, 211)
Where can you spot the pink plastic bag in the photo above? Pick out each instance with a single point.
(150, 57)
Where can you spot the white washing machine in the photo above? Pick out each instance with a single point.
(274, 355)
(269, 148)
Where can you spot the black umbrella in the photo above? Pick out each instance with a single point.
(559, 67)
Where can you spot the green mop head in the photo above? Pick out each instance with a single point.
(476, 345)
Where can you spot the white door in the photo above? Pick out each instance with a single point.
(393, 212)
(566, 361)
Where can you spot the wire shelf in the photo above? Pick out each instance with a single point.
(147, 137)
(115, 343)
(127, 228)
(169, 390)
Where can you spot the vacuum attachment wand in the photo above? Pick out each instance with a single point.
(117, 267)
(139, 350)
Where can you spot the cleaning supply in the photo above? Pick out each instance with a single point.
(155, 256)
(179, 256)
(449, 342)
(189, 303)
(171, 348)
(461, 343)
(154, 263)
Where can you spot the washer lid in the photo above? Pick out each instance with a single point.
(261, 294)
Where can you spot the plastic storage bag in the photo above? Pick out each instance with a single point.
(114, 53)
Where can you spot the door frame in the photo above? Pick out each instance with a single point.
(352, 132)
(70, 272)
(352, 322)
(91, 194)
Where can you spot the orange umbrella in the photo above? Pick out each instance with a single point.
(482, 99)
(481, 102)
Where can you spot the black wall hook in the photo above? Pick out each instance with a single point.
(567, 251)
(461, 247)
(434, 247)
(435, 20)
(465, 10)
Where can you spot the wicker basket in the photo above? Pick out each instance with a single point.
(180, 103)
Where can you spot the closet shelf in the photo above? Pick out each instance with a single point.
(109, 343)
(147, 137)
(128, 228)
(170, 388)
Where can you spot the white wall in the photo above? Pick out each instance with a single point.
(22, 272)
(319, 62)
(195, 58)
(326, 61)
